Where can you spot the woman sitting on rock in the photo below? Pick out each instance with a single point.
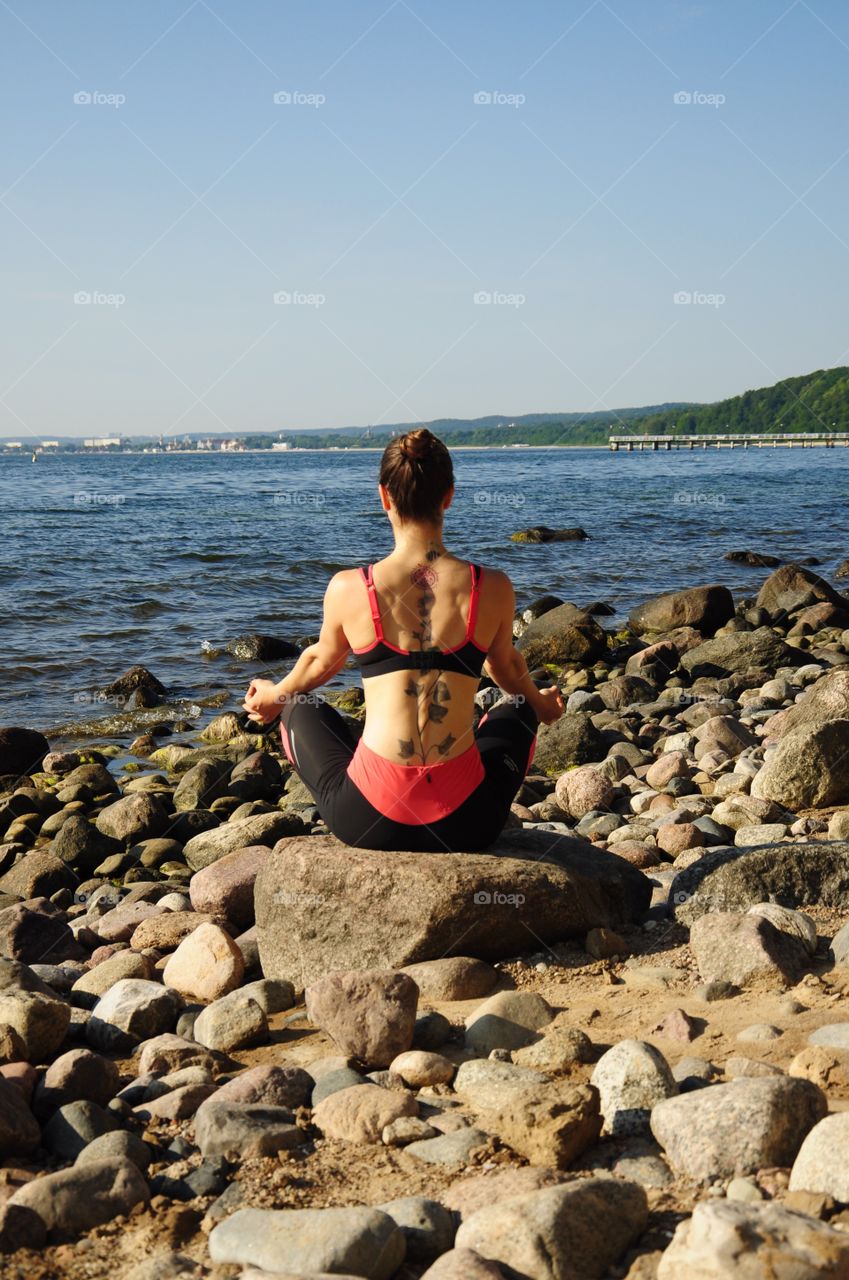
(422, 625)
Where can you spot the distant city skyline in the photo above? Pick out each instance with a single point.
(230, 221)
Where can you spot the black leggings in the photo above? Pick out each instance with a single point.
(322, 747)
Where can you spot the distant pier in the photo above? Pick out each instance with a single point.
(761, 440)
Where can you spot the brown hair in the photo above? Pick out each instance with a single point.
(416, 470)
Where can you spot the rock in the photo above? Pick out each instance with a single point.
(571, 740)
(428, 1227)
(120, 924)
(19, 1131)
(580, 791)
(806, 770)
(334, 1081)
(117, 1143)
(261, 829)
(834, 1035)
(485, 1082)
(753, 1242)
(74, 1126)
(124, 964)
(407, 1129)
(36, 932)
(78, 1076)
(705, 608)
(142, 816)
(271, 1085)
(22, 751)
(794, 923)
(165, 931)
(453, 978)
(449, 1148)
(136, 679)
(247, 1130)
(370, 1014)
(795, 875)
(479, 1191)
(631, 1078)
(734, 1129)
(561, 635)
(232, 1022)
(361, 1113)
(677, 837)
(826, 1067)
(428, 906)
(226, 887)
(821, 1164)
(507, 1020)
(201, 784)
(360, 1241)
(739, 651)
(206, 965)
(416, 1068)
(791, 588)
(578, 1230)
(165, 1266)
(131, 1011)
(41, 1022)
(85, 1196)
(273, 995)
(38, 874)
(746, 950)
(760, 833)
(542, 533)
(168, 1052)
(560, 1049)
(826, 699)
(463, 1264)
(179, 1103)
(550, 1125)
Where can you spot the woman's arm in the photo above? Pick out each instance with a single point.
(506, 665)
(317, 664)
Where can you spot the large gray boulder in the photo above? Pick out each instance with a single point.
(705, 608)
(807, 770)
(571, 740)
(322, 905)
(563, 634)
(742, 651)
(794, 875)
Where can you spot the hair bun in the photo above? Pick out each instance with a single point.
(416, 444)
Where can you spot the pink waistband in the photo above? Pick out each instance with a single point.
(415, 794)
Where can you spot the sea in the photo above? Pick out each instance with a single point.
(111, 560)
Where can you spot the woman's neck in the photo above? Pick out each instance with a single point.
(419, 542)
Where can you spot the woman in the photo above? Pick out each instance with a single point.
(423, 624)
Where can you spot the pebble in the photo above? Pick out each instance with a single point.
(271, 1085)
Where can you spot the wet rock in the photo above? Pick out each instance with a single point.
(579, 1229)
(85, 1196)
(733, 1129)
(360, 1241)
(531, 884)
(370, 1014)
(361, 1113)
(631, 1078)
(206, 965)
(754, 1242)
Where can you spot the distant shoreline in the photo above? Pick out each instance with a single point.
(229, 453)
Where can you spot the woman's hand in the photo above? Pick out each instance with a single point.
(263, 701)
(550, 705)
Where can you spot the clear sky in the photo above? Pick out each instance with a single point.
(418, 156)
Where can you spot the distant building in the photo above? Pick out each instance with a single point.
(50, 444)
(103, 442)
(280, 444)
(14, 444)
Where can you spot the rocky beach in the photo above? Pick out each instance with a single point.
(611, 1045)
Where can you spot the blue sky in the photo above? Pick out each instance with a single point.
(451, 209)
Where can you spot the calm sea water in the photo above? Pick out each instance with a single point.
(161, 559)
